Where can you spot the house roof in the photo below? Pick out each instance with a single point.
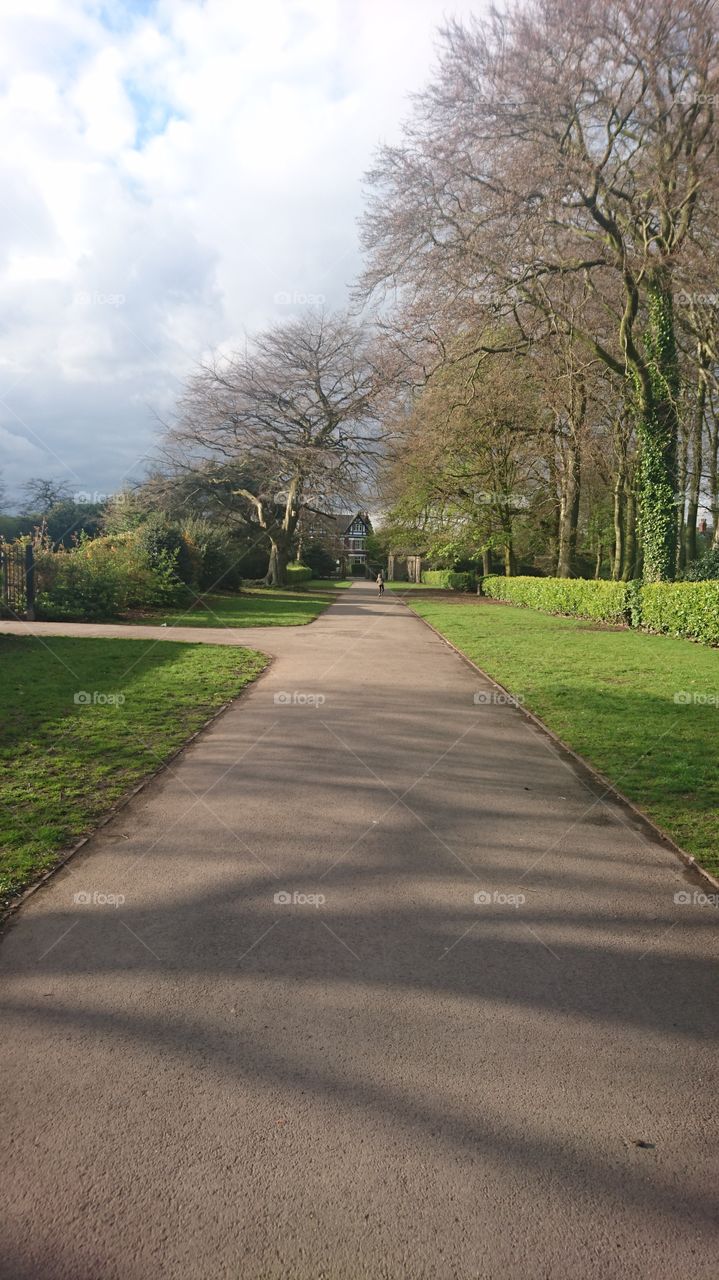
(343, 521)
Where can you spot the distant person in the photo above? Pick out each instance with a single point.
(380, 582)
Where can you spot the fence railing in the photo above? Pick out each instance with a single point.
(17, 580)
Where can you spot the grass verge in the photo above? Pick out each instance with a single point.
(415, 586)
(642, 709)
(255, 607)
(64, 764)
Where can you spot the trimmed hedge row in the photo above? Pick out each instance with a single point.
(449, 578)
(298, 573)
(689, 610)
(577, 597)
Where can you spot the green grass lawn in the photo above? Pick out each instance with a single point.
(63, 765)
(609, 694)
(255, 607)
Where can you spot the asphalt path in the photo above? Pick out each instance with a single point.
(371, 981)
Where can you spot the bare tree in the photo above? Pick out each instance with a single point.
(563, 139)
(292, 419)
(41, 495)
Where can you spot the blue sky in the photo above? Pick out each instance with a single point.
(175, 175)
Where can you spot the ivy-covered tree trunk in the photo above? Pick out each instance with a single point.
(657, 425)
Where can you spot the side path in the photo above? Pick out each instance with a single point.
(367, 983)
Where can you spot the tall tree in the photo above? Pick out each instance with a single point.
(564, 139)
(295, 415)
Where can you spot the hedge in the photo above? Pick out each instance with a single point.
(298, 573)
(689, 610)
(577, 597)
(686, 609)
(449, 578)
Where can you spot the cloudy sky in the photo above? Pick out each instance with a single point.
(175, 175)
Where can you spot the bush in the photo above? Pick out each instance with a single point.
(705, 568)
(686, 609)
(12, 527)
(214, 558)
(298, 573)
(160, 539)
(634, 603)
(100, 578)
(576, 597)
(451, 579)
(320, 561)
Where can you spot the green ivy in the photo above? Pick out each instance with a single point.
(657, 429)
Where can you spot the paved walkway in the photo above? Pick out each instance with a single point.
(380, 1077)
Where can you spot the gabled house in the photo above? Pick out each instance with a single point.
(344, 536)
(352, 533)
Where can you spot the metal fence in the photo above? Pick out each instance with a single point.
(17, 580)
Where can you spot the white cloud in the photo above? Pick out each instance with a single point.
(163, 180)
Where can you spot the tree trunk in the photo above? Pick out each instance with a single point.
(680, 498)
(569, 513)
(658, 430)
(276, 575)
(553, 538)
(618, 514)
(629, 565)
(690, 542)
(505, 522)
(713, 467)
(281, 536)
(486, 562)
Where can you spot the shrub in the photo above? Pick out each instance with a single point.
(214, 558)
(576, 597)
(320, 561)
(686, 609)
(298, 573)
(99, 578)
(450, 579)
(160, 540)
(706, 567)
(634, 603)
